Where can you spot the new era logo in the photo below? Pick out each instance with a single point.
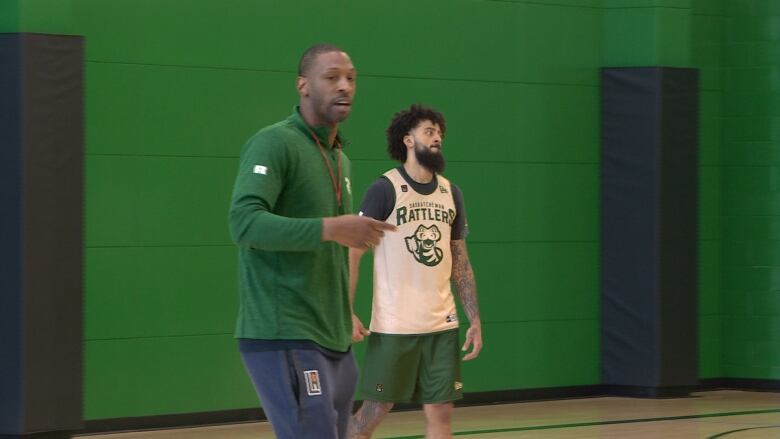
(260, 169)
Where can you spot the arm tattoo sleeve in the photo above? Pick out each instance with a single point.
(463, 278)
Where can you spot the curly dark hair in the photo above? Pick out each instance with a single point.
(308, 57)
(405, 121)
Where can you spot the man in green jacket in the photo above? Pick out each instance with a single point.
(290, 215)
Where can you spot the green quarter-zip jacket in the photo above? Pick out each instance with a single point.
(292, 286)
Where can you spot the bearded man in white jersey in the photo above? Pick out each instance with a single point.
(412, 353)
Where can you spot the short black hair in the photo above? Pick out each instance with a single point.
(405, 121)
(308, 57)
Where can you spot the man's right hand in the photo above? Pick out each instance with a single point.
(359, 332)
(354, 231)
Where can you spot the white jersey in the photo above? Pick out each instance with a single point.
(413, 265)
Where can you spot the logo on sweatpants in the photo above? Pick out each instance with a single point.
(313, 386)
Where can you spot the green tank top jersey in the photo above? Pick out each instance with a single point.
(292, 286)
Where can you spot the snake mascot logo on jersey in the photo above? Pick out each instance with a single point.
(423, 245)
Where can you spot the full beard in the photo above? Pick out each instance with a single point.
(430, 160)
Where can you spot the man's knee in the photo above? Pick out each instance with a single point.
(438, 413)
(381, 406)
(374, 410)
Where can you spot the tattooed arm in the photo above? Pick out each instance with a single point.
(463, 277)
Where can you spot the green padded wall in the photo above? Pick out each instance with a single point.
(640, 33)
(751, 191)
(706, 27)
(41, 16)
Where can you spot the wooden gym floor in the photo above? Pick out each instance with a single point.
(724, 414)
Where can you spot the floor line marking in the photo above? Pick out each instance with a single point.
(594, 423)
(741, 429)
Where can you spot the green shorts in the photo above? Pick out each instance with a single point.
(412, 368)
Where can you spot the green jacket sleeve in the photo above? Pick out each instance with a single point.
(261, 178)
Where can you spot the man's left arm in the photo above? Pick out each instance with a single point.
(463, 278)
